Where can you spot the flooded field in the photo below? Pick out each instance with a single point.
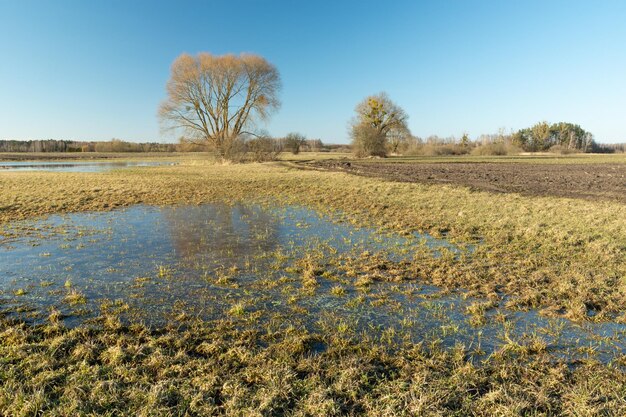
(260, 289)
(75, 166)
(263, 266)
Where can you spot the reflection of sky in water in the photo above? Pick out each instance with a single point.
(74, 166)
(162, 260)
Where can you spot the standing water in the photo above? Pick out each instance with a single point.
(219, 260)
(75, 166)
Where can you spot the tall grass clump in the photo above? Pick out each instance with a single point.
(496, 149)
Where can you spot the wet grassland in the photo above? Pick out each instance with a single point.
(265, 289)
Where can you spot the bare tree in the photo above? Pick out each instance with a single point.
(216, 100)
(294, 141)
(397, 138)
(377, 118)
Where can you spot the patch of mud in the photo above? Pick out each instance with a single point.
(585, 181)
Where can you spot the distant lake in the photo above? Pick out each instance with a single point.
(75, 166)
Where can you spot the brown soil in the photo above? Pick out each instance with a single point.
(587, 181)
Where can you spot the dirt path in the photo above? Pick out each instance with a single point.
(587, 181)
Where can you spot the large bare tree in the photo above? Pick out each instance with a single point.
(216, 100)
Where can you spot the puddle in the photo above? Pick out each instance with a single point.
(75, 166)
(245, 262)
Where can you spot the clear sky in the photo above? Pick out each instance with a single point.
(95, 70)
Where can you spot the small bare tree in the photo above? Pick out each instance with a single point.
(377, 116)
(216, 100)
(397, 138)
(294, 141)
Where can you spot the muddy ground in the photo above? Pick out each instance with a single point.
(586, 181)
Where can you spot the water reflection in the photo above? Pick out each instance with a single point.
(217, 232)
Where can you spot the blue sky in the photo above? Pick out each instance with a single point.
(95, 70)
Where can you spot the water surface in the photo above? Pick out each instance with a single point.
(76, 166)
(246, 261)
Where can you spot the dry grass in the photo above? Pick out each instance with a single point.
(214, 369)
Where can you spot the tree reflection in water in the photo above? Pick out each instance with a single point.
(222, 235)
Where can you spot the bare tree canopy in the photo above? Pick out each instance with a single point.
(381, 113)
(380, 123)
(217, 99)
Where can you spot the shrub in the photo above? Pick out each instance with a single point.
(496, 149)
(367, 141)
(562, 150)
(431, 149)
(262, 149)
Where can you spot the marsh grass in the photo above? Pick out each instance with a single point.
(211, 368)
(75, 297)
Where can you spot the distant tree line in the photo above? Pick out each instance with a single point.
(500, 143)
(609, 148)
(257, 148)
(53, 145)
(265, 148)
(543, 136)
(49, 145)
(380, 129)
